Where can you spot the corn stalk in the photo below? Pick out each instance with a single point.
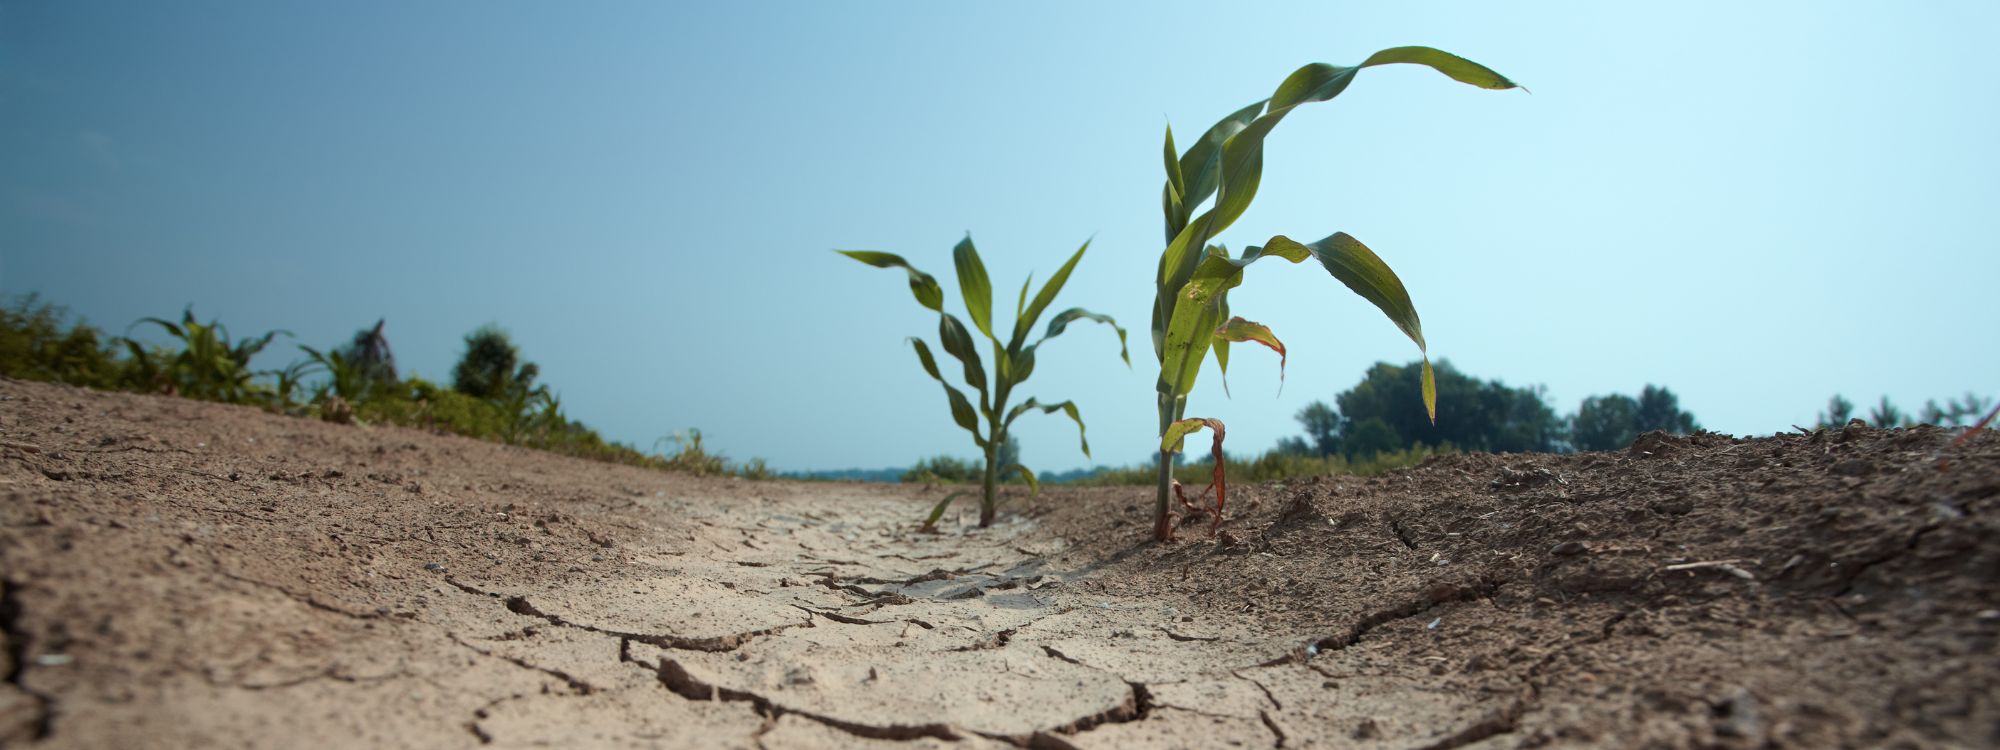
(1013, 360)
(1191, 305)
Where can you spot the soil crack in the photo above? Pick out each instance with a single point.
(1501, 722)
(677, 679)
(305, 599)
(1272, 724)
(581, 687)
(521, 606)
(1437, 596)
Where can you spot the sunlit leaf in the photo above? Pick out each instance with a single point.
(1034, 483)
(1025, 322)
(923, 285)
(958, 343)
(961, 409)
(973, 284)
(1430, 391)
(1066, 407)
(1062, 320)
(937, 511)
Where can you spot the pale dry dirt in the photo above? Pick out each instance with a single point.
(182, 574)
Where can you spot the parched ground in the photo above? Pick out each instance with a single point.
(181, 574)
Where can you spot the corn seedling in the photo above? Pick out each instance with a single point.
(1013, 361)
(346, 377)
(208, 366)
(289, 380)
(1191, 307)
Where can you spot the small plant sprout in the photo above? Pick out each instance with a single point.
(1013, 359)
(1191, 306)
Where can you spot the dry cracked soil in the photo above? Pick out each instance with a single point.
(183, 574)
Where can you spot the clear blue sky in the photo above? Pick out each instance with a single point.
(1755, 204)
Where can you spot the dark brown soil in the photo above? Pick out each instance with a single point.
(180, 574)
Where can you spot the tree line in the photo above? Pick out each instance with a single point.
(1374, 417)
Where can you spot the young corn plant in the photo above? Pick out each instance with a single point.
(1191, 305)
(1013, 359)
(208, 366)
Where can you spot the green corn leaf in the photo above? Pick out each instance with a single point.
(1190, 331)
(922, 285)
(1023, 366)
(1367, 275)
(1185, 349)
(1220, 346)
(1170, 442)
(1067, 407)
(1458, 68)
(958, 343)
(961, 409)
(1061, 322)
(1022, 303)
(1177, 264)
(974, 285)
(1364, 272)
(1238, 329)
(1170, 196)
(1034, 483)
(937, 511)
(1242, 160)
(1198, 311)
(1025, 322)
(171, 328)
(1430, 391)
(1199, 165)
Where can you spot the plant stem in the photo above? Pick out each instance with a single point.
(987, 504)
(1170, 409)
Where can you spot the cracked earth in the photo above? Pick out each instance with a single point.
(180, 574)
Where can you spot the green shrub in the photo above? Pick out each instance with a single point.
(35, 345)
(943, 469)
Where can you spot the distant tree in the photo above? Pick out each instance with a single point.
(491, 368)
(1605, 423)
(1611, 422)
(1838, 412)
(1660, 409)
(1886, 414)
(1323, 427)
(1371, 436)
(1955, 413)
(947, 468)
(1473, 414)
(942, 468)
(370, 352)
(1295, 446)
